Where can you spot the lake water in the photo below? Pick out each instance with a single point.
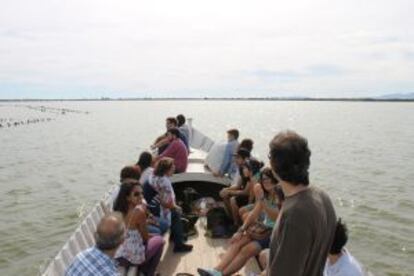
(52, 172)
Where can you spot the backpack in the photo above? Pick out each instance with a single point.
(219, 224)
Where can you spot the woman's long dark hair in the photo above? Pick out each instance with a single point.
(121, 202)
(145, 160)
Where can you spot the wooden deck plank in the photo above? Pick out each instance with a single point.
(206, 253)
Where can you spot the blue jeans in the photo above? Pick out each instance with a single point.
(176, 228)
(159, 229)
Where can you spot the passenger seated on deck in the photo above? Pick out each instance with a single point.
(265, 174)
(162, 141)
(155, 225)
(247, 144)
(183, 127)
(245, 244)
(145, 162)
(252, 168)
(99, 259)
(139, 249)
(228, 166)
(161, 201)
(132, 172)
(237, 195)
(340, 262)
(175, 150)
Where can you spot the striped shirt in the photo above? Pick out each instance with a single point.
(92, 262)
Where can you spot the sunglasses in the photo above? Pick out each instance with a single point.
(137, 194)
(271, 180)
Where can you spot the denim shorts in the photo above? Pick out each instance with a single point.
(264, 243)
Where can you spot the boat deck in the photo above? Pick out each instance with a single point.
(206, 254)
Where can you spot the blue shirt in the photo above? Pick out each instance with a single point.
(184, 138)
(228, 166)
(92, 262)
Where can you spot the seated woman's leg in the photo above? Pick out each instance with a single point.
(244, 211)
(231, 252)
(153, 254)
(224, 194)
(160, 228)
(153, 229)
(163, 225)
(237, 202)
(234, 211)
(244, 217)
(249, 250)
(263, 258)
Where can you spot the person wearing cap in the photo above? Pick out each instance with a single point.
(228, 166)
(237, 195)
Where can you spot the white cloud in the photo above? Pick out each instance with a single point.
(137, 48)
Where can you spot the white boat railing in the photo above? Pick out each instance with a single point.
(83, 237)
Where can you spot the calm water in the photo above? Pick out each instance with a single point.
(52, 172)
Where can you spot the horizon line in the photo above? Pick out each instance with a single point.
(354, 99)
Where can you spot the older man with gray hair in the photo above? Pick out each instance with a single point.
(98, 260)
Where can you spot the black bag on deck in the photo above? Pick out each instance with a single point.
(219, 224)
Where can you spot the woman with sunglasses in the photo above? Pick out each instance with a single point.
(139, 248)
(265, 175)
(268, 196)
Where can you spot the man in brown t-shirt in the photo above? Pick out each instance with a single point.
(305, 228)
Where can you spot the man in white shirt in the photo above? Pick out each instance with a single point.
(340, 262)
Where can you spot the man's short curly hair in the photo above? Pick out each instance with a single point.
(290, 157)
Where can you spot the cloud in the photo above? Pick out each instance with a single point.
(408, 54)
(270, 75)
(318, 70)
(317, 48)
(325, 70)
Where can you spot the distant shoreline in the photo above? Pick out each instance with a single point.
(214, 99)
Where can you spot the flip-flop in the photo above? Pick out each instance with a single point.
(203, 272)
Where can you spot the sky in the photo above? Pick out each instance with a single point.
(102, 48)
